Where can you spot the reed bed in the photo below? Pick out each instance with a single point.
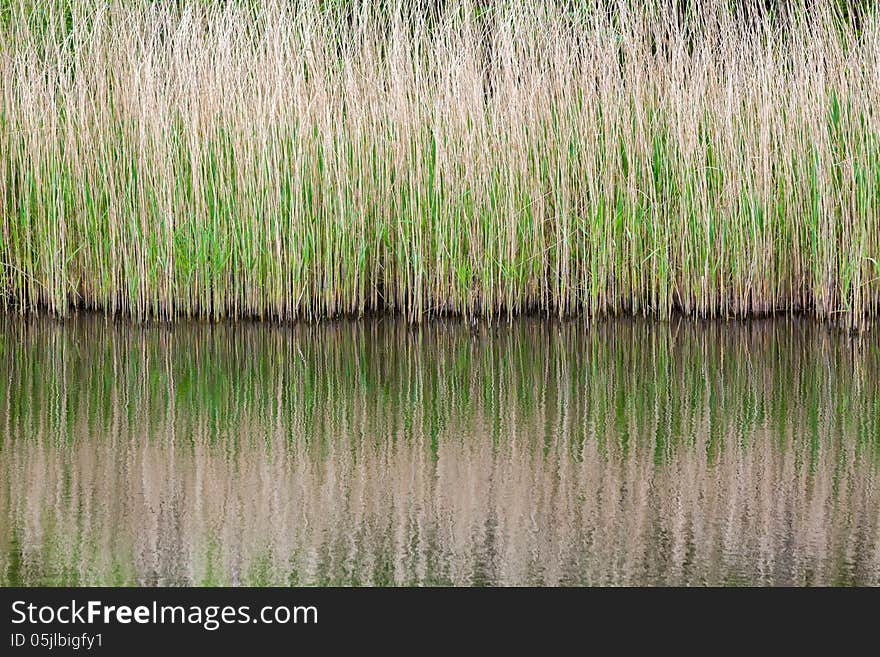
(312, 159)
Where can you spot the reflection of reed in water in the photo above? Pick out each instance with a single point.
(374, 453)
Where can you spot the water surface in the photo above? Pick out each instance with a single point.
(375, 452)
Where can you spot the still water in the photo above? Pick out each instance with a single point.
(374, 452)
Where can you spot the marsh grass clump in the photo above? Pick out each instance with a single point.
(306, 160)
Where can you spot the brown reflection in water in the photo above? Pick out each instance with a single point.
(377, 453)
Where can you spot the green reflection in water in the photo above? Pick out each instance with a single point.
(380, 453)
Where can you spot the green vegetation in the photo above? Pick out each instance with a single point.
(230, 159)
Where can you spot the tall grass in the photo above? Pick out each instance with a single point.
(311, 159)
